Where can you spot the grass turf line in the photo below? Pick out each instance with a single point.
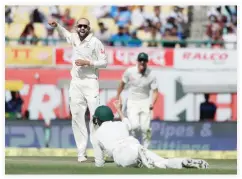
(69, 165)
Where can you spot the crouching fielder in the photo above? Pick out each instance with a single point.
(113, 138)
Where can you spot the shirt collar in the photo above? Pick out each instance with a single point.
(88, 38)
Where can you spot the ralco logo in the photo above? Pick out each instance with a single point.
(205, 56)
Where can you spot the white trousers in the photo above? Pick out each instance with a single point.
(139, 115)
(83, 93)
(129, 153)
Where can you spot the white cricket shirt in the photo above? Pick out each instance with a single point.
(139, 86)
(107, 136)
(90, 49)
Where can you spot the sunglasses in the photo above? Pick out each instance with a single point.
(82, 25)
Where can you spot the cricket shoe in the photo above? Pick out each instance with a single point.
(146, 161)
(82, 159)
(139, 163)
(193, 163)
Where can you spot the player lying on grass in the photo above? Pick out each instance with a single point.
(113, 137)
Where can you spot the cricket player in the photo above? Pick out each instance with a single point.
(88, 56)
(113, 137)
(141, 80)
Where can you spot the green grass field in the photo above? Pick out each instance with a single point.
(69, 165)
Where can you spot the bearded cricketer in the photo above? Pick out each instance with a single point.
(88, 56)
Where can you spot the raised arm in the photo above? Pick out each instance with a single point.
(118, 106)
(61, 30)
(124, 119)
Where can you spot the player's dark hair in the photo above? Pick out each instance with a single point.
(97, 121)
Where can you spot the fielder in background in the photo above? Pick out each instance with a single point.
(141, 80)
(88, 56)
(113, 137)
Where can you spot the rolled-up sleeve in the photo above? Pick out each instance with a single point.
(101, 61)
(65, 33)
(154, 84)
